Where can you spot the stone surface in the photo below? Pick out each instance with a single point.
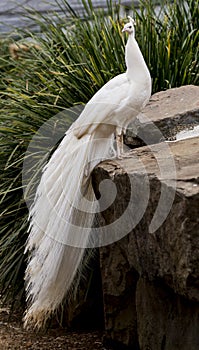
(167, 113)
(166, 321)
(150, 274)
(168, 256)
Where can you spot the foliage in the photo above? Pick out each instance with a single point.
(169, 41)
(72, 62)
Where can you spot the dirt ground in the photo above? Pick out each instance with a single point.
(14, 337)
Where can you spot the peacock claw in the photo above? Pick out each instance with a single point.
(124, 155)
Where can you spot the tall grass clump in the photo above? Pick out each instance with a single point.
(71, 60)
(168, 37)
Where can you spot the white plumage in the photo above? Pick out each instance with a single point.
(62, 213)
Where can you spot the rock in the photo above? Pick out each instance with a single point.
(119, 283)
(165, 320)
(150, 272)
(167, 113)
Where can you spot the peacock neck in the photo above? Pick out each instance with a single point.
(137, 70)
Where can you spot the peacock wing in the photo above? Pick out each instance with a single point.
(102, 105)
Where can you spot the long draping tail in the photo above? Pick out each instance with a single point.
(60, 223)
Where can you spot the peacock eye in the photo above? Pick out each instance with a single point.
(130, 27)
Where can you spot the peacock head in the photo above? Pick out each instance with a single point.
(130, 26)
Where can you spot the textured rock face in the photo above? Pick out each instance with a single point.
(165, 320)
(170, 111)
(150, 277)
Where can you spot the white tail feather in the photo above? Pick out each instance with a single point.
(62, 213)
(60, 223)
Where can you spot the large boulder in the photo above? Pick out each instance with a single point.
(167, 113)
(150, 272)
